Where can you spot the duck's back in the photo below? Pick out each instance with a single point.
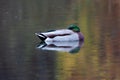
(61, 32)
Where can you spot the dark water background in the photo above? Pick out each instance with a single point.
(98, 59)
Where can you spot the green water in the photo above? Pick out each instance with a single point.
(97, 59)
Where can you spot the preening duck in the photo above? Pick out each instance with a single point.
(72, 33)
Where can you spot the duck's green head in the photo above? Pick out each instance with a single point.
(74, 28)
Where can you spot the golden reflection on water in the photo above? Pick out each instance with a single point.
(98, 59)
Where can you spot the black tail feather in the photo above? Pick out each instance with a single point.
(41, 36)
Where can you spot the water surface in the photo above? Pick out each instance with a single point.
(97, 59)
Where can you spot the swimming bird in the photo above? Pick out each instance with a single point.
(72, 33)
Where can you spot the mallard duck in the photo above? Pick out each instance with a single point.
(72, 33)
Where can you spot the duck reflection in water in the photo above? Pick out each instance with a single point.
(71, 47)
